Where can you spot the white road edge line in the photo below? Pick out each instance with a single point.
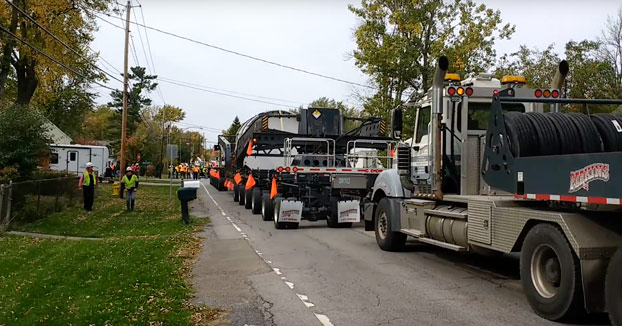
(305, 300)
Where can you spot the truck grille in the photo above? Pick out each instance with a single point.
(403, 160)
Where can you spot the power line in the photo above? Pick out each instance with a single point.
(224, 94)
(49, 57)
(142, 15)
(59, 40)
(164, 79)
(148, 65)
(245, 55)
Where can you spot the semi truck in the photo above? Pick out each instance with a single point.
(495, 167)
(328, 172)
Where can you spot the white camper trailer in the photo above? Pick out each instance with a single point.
(73, 158)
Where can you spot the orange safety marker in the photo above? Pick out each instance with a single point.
(249, 149)
(217, 175)
(250, 182)
(237, 178)
(273, 190)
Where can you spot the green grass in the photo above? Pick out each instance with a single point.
(136, 276)
(154, 214)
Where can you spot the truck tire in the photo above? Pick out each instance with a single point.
(256, 203)
(277, 206)
(241, 194)
(613, 289)
(248, 198)
(236, 194)
(267, 207)
(550, 273)
(332, 219)
(221, 185)
(387, 240)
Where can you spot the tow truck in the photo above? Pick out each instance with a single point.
(495, 167)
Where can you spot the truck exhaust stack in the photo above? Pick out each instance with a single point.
(437, 112)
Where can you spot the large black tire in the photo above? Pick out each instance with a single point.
(241, 194)
(221, 185)
(550, 273)
(332, 219)
(613, 289)
(277, 206)
(256, 202)
(267, 207)
(387, 240)
(236, 194)
(248, 198)
(612, 139)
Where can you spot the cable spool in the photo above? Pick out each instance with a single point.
(569, 138)
(590, 138)
(548, 139)
(609, 131)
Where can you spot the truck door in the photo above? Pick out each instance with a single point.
(72, 161)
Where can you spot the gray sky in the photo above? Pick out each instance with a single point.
(311, 35)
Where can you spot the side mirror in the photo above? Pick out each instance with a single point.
(396, 124)
(216, 147)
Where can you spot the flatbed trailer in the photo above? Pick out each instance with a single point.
(547, 186)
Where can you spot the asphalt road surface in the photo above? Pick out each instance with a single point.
(321, 276)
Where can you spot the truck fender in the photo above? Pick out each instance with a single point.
(388, 183)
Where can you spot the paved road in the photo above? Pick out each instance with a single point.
(321, 276)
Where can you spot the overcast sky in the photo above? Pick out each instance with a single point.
(312, 35)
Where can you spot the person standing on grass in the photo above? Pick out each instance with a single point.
(87, 184)
(130, 183)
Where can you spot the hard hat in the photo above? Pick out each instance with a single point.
(128, 169)
(89, 165)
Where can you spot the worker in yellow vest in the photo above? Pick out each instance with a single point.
(130, 183)
(87, 184)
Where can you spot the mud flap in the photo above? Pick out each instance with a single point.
(290, 211)
(348, 211)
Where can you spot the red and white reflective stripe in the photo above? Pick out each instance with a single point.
(333, 170)
(572, 199)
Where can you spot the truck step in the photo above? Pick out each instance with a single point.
(442, 244)
(413, 232)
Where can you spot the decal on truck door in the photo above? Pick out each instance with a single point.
(580, 179)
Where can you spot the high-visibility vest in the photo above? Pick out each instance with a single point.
(195, 169)
(131, 182)
(177, 168)
(87, 181)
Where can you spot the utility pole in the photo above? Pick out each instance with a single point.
(125, 88)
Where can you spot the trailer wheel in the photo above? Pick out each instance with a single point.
(221, 185)
(242, 198)
(613, 289)
(248, 198)
(387, 240)
(236, 194)
(332, 220)
(267, 207)
(277, 207)
(550, 273)
(256, 201)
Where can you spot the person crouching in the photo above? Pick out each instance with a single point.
(130, 183)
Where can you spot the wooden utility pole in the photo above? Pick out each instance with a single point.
(125, 89)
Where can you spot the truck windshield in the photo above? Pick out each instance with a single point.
(479, 113)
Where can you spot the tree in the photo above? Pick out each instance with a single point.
(538, 67)
(71, 21)
(398, 42)
(611, 47)
(24, 140)
(139, 82)
(67, 106)
(97, 124)
(233, 129)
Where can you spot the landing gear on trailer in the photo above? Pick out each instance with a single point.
(550, 273)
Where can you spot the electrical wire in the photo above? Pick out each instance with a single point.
(165, 79)
(60, 41)
(2, 28)
(243, 54)
(153, 68)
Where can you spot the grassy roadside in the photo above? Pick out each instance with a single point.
(135, 276)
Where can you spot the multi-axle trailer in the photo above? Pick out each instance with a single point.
(495, 169)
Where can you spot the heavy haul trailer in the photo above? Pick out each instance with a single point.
(258, 150)
(217, 172)
(328, 174)
(545, 185)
